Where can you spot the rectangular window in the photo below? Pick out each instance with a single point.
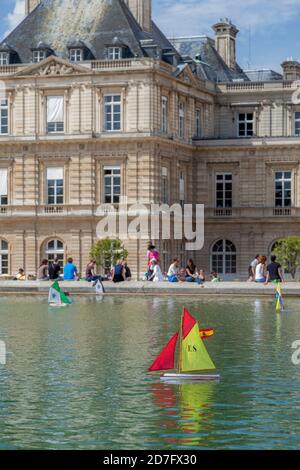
(246, 125)
(112, 185)
(164, 115)
(283, 189)
(38, 56)
(3, 116)
(223, 191)
(3, 257)
(3, 187)
(181, 189)
(55, 114)
(165, 185)
(181, 120)
(198, 123)
(4, 58)
(75, 55)
(297, 123)
(114, 53)
(112, 113)
(55, 186)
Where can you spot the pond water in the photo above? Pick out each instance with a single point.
(76, 378)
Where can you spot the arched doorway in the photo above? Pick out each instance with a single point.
(3, 257)
(55, 249)
(223, 257)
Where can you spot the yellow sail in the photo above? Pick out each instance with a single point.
(194, 356)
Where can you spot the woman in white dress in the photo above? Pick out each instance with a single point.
(157, 275)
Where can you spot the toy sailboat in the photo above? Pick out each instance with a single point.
(57, 298)
(193, 356)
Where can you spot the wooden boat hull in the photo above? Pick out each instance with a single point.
(190, 377)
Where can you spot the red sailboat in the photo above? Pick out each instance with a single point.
(193, 357)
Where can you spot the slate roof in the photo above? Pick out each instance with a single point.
(263, 75)
(96, 23)
(210, 64)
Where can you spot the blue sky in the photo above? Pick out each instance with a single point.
(269, 29)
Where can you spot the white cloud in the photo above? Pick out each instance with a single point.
(196, 16)
(13, 19)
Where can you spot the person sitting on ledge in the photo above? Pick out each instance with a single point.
(118, 273)
(54, 269)
(90, 272)
(214, 277)
(173, 273)
(43, 271)
(127, 271)
(21, 275)
(70, 271)
(157, 275)
(191, 274)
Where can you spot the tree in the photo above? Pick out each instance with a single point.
(287, 252)
(107, 252)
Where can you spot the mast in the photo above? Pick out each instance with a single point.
(180, 344)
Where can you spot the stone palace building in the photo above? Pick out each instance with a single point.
(98, 106)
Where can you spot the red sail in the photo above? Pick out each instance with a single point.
(166, 359)
(187, 324)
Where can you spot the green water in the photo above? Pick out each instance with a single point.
(77, 378)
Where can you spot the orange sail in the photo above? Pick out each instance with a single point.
(166, 359)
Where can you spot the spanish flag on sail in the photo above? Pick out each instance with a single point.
(279, 300)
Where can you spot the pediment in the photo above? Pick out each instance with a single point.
(53, 66)
(186, 76)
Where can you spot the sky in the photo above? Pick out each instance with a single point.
(268, 28)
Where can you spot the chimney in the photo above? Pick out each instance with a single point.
(291, 69)
(142, 11)
(226, 34)
(30, 5)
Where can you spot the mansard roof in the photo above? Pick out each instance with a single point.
(59, 23)
(210, 65)
(263, 75)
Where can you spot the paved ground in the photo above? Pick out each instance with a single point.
(149, 288)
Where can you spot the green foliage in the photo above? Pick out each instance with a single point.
(107, 252)
(287, 251)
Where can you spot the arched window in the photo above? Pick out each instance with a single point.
(223, 257)
(3, 257)
(55, 249)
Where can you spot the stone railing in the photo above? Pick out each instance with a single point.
(238, 87)
(252, 212)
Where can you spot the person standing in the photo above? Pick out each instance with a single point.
(274, 271)
(70, 271)
(260, 272)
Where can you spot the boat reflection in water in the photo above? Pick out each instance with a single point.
(187, 411)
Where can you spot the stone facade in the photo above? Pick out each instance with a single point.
(176, 137)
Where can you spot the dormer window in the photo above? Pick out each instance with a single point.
(38, 56)
(78, 51)
(76, 55)
(114, 53)
(41, 52)
(4, 58)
